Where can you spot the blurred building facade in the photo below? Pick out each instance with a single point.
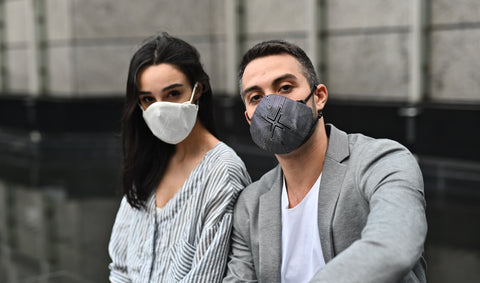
(406, 70)
(369, 49)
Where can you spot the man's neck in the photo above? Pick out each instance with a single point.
(303, 166)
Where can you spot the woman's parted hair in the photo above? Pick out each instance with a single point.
(145, 157)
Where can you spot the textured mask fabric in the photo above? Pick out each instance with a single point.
(171, 122)
(281, 125)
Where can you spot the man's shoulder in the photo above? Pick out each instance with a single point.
(360, 145)
(374, 153)
(362, 151)
(252, 192)
(366, 146)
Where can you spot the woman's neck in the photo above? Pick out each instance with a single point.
(188, 154)
(197, 143)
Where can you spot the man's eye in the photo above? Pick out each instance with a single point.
(285, 88)
(255, 98)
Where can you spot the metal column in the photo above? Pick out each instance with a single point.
(417, 51)
(37, 46)
(417, 74)
(4, 79)
(233, 18)
(316, 36)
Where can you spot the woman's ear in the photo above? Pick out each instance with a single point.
(198, 92)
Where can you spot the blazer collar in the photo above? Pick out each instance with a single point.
(270, 229)
(330, 186)
(338, 148)
(270, 214)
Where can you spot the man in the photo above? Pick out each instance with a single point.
(339, 207)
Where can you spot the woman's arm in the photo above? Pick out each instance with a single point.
(117, 247)
(210, 254)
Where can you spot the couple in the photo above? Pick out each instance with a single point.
(338, 208)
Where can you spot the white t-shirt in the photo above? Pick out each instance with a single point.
(302, 254)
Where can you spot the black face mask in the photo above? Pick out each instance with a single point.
(280, 125)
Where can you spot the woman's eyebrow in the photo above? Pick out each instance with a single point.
(171, 86)
(141, 92)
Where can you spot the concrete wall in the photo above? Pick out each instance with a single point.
(47, 237)
(16, 45)
(368, 49)
(367, 43)
(455, 41)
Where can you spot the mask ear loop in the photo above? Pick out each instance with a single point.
(320, 114)
(304, 101)
(193, 94)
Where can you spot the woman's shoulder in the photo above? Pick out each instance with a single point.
(224, 165)
(224, 156)
(126, 210)
(128, 217)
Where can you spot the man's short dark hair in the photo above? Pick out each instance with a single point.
(277, 47)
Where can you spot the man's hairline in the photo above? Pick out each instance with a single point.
(302, 68)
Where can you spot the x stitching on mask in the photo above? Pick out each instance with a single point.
(275, 122)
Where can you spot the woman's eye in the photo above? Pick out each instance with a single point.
(147, 99)
(285, 88)
(173, 93)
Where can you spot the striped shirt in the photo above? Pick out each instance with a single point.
(188, 239)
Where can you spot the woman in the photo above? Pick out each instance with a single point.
(180, 182)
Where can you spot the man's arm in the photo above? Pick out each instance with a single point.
(240, 267)
(393, 237)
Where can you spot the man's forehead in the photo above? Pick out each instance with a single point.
(269, 68)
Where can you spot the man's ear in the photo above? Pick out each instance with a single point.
(247, 118)
(321, 96)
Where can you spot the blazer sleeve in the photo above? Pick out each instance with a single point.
(241, 266)
(391, 242)
(117, 246)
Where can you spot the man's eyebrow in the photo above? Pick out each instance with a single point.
(275, 82)
(163, 90)
(249, 89)
(284, 77)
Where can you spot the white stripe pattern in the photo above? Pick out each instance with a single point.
(188, 240)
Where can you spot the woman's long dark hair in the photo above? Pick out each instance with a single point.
(145, 157)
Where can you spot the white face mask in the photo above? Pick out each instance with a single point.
(171, 122)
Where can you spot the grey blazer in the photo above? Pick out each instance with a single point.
(371, 217)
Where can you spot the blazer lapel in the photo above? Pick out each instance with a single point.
(332, 178)
(270, 228)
